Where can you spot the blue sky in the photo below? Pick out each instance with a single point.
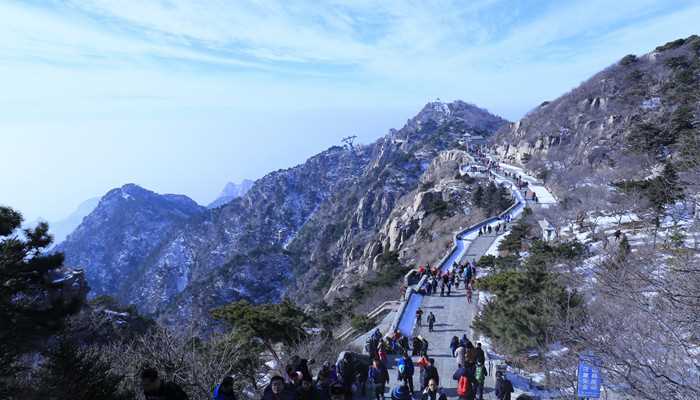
(182, 96)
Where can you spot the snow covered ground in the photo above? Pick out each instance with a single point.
(543, 195)
(493, 250)
(519, 171)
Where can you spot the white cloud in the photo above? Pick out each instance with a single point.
(275, 66)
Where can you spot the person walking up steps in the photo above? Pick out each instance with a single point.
(460, 354)
(419, 317)
(379, 377)
(446, 282)
(431, 321)
(406, 370)
(503, 387)
(454, 344)
(424, 346)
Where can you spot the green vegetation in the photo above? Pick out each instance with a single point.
(635, 76)
(491, 198)
(362, 323)
(674, 44)
(677, 239)
(649, 138)
(441, 208)
(677, 62)
(488, 261)
(499, 282)
(512, 243)
(24, 268)
(71, 372)
(268, 323)
(530, 304)
(628, 59)
(661, 190)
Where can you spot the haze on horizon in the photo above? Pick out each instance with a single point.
(182, 96)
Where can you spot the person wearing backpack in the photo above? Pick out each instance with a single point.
(479, 379)
(465, 378)
(504, 387)
(406, 371)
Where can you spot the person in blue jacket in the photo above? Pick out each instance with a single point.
(224, 390)
(406, 370)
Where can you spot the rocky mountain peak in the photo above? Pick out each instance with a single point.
(128, 223)
(457, 116)
(231, 191)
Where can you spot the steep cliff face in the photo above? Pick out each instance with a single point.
(306, 231)
(125, 228)
(642, 109)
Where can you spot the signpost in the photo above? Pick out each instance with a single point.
(589, 380)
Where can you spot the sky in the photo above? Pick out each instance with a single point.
(182, 96)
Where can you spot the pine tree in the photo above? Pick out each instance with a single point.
(530, 305)
(478, 196)
(73, 373)
(268, 323)
(23, 277)
(663, 190)
(504, 199)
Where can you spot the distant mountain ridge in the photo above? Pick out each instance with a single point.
(114, 240)
(291, 228)
(230, 192)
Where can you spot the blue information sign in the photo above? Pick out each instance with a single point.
(588, 376)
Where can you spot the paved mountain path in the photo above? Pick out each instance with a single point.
(453, 316)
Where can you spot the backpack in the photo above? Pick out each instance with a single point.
(508, 386)
(480, 373)
(462, 386)
(402, 370)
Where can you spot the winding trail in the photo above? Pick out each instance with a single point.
(454, 315)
